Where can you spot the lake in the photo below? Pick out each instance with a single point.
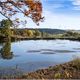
(31, 55)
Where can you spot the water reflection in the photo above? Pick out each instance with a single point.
(6, 50)
(30, 55)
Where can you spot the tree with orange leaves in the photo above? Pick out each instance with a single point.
(30, 8)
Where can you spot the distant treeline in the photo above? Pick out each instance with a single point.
(36, 33)
(15, 33)
(24, 33)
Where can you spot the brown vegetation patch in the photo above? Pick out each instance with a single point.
(70, 70)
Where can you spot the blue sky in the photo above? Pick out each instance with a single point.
(59, 14)
(62, 14)
(62, 6)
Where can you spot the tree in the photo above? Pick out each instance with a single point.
(5, 25)
(29, 33)
(30, 8)
(6, 50)
(37, 33)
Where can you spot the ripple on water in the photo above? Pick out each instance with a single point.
(63, 51)
(50, 51)
(33, 51)
(47, 53)
(76, 48)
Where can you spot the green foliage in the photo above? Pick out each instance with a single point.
(6, 23)
(6, 50)
(37, 33)
(71, 34)
(57, 75)
(5, 26)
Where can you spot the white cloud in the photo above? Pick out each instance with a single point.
(76, 2)
(57, 21)
(76, 8)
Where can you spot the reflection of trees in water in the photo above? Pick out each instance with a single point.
(6, 31)
(6, 50)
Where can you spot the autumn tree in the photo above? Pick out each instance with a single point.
(29, 33)
(37, 33)
(30, 8)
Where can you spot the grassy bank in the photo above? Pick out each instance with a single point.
(70, 70)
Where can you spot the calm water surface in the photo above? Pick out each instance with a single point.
(31, 55)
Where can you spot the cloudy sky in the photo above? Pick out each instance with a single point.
(59, 14)
(62, 14)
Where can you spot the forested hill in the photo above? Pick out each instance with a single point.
(47, 30)
(52, 31)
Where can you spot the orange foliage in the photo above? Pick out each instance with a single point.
(33, 8)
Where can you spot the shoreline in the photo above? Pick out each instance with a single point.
(73, 39)
(69, 70)
(21, 39)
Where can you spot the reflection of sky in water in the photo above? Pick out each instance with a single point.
(23, 57)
